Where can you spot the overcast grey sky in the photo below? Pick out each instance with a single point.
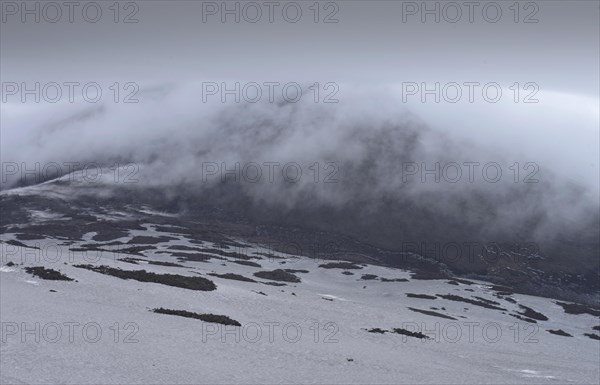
(369, 43)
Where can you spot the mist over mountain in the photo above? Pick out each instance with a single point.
(367, 167)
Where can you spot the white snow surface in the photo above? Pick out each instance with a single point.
(53, 337)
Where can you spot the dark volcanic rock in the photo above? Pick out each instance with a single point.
(232, 276)
(559, 332)
(195, 257)
(530, 313)
(428, 275)
(185, 282)
(214, 318)
(278, 275)
(432, 313)
(368, 277)
(457, 298)
(340, 265)
(48, 274)
(12, 242)
(422, 296)
(409, 333)
(133, 261)
(576, 308)
(394, 280)
(247, 263)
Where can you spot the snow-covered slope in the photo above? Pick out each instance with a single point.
(100, 328)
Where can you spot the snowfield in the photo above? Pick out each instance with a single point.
(100, 329)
